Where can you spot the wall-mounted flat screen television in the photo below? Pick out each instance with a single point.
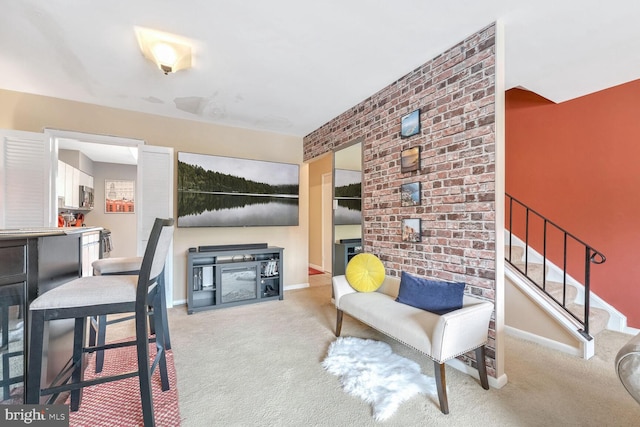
(216, 191)
(348, 195)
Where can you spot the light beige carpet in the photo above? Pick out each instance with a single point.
(260, 365)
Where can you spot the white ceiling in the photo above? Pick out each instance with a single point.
(98, 152)
(289, 66)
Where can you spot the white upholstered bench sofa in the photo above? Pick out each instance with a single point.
(440, 337)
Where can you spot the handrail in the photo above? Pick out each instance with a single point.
(592, 256)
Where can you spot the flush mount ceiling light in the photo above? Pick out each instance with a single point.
(169, 52)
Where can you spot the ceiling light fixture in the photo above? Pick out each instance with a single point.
(169, 52)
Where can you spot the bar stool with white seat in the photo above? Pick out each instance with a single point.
(98, 325)
(90, 296)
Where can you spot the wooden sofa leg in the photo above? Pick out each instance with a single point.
(441, 385)
(339, 323)
(482, 367)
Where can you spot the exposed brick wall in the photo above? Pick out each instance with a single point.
(455, 94)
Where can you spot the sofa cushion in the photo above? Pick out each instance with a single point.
(409, 325)
(365, 273)
(432, 295)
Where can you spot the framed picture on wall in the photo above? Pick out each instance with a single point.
(218, 191)
(119, 196)
(410, 194)
(410, 124)
(410, 160)
(411, 230)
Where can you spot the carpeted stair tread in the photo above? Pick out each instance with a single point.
(555, 289)
(534, 271)
(598, 318)
(517, 253)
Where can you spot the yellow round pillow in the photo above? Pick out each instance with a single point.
(365, 273)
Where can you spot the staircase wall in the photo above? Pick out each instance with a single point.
(526, 316)
(589, 145)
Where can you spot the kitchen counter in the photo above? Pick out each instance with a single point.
(21, 233)
(34, 261)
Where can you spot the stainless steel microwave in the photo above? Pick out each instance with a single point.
(86, 197)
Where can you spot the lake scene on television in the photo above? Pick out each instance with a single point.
(217, 191)
(348, 194)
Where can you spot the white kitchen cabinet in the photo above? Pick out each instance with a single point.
(86, 179)
(68, 185)
(90, 251)
(75, 188)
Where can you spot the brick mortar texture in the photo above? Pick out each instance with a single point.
(455, 93)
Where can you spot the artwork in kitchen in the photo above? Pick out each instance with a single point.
(216, 191)
(119, 196)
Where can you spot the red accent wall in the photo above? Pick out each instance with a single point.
(578, 163)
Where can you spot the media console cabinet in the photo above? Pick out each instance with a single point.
(344, 251)
(228, 275)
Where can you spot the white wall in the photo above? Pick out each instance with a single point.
(21, 111)
(122, 225)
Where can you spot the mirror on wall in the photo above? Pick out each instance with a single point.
(347, 205)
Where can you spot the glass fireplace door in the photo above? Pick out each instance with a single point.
(238, 282)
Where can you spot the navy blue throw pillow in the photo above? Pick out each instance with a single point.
(432, 295)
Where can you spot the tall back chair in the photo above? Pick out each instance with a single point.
(98, 325)
(92, 296)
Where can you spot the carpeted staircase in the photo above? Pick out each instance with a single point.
(598, 318)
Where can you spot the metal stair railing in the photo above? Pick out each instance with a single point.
(591, 256)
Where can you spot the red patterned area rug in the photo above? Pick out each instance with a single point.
(117, 403)
(313, 271)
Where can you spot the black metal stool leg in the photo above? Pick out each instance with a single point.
(6, 376)
(161, 345)
(34, 366)
(163, 307)
(4, 308)
(144, 375)
(77, 374)
(102, 336)
(93, 327)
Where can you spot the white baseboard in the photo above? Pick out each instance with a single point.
(463, 367)
(298, 286)
(548, 343)
(316, 267)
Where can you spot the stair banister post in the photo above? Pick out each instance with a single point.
(587, 288)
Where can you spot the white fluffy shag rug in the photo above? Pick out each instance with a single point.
(370, 370)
